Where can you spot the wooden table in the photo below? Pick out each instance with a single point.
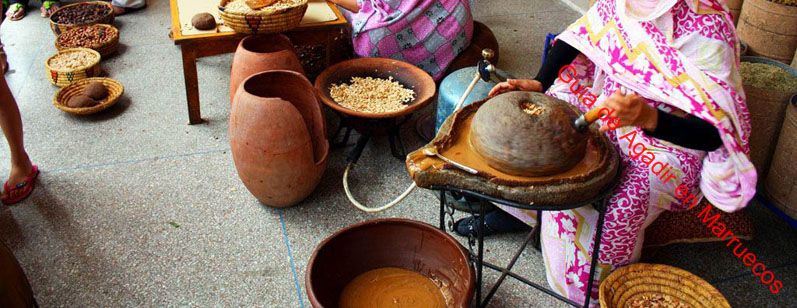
(318, 37)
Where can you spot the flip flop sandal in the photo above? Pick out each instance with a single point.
(22, 190)
(49, 7)
(15, 11)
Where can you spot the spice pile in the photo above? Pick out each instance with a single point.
(240, 6)
(765, 76)
(71, 60)
(656, 301)
(81, 14)
(372, 95)
(94, 36)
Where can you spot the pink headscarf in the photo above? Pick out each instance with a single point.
(697, 73)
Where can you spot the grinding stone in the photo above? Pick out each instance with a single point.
(527, 134)
(428, 172)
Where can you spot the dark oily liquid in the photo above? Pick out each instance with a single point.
(391, 287)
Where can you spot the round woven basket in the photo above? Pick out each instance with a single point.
(59, 28)
(633, 282)
(264, 21)
(107, 48)
(115, 90)
(63, 77)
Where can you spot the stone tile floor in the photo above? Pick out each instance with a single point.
(136, 208)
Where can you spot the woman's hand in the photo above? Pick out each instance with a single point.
(516, 85)
(628, 110)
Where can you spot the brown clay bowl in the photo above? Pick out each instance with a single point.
(391, 242)
(407, 74)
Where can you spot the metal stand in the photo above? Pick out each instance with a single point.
(367, 128)
(477, 257)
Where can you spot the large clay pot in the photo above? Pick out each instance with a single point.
(278, 137)
(15, 290)
(389, 242)
(261, 53)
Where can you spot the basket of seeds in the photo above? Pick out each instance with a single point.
(88, 96)
(262, 16)
(72, 64)
(81, 14)
(100, 37)
(375, 88)
(644, 285)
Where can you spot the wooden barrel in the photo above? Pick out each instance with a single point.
(769, 29)
(766, 107)
(735, 7)
(781, 183)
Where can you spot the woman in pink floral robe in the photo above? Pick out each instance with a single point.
(657, 63)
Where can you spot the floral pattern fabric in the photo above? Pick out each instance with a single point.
(687, 62)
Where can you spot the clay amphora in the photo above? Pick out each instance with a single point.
(261, 53)
(278, 137)
(15, 290)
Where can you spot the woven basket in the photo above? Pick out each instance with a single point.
(260, 22)
(63, 77)
(105, 49)
(631, 282)
(115, 90)
(59, 28)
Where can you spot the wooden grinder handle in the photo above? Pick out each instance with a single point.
(593, 115)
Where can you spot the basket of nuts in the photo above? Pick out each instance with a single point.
(88, 96)
(72, 64)
(100, 37)
(644, 285)
(262, 16)
(81, 14)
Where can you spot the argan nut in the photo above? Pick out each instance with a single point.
(203, 21)
(80, 101)
(96, 90)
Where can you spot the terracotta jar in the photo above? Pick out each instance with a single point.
(278, 137)
(15, 290)
(261, 53)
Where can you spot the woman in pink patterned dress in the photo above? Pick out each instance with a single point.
(426, 33)
(669, 69)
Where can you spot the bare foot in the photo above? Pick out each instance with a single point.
(19, 171)
(15, 12)
(49, 7)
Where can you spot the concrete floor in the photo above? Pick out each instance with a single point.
(136, 208)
